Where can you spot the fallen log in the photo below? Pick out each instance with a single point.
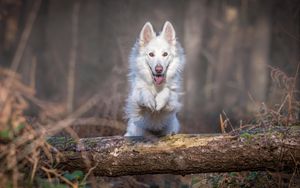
(275, 150)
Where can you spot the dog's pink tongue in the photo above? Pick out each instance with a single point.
(158, 79)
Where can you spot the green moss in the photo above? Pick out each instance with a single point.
(247, 136)
(90, 143)
(61, 142)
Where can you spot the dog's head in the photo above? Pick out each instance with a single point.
(157, 51)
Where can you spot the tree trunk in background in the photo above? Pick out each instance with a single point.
(71, 77)
(193, 28)
(196, 103)
(258, 77)
(227, 35)
(58, 28)
(10, 29)
(236, 50)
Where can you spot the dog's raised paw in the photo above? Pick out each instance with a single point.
(160, 103)
(150, 103)
(159, 106)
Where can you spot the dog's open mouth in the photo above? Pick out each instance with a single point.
(158, 78)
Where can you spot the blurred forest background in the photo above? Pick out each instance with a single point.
(78, 49)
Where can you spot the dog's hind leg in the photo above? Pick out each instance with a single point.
(173, 126)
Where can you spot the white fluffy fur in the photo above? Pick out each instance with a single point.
(150, 107)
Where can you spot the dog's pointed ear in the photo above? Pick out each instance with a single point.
(147, 34)
(168, 33)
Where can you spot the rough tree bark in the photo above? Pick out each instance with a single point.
(274, 150)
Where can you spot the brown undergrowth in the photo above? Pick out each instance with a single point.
(26, 159)
(283, 113)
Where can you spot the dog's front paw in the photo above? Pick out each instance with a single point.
(173, 106)
(147, 100)
(162, 99)
(160, 103)
(150, 103)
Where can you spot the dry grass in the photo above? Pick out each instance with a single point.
(23, 146)
(284, 114)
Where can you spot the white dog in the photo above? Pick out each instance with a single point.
(156, 65)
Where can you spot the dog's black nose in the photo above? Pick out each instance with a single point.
(159, 69)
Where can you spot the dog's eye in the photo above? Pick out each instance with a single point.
(165, 54)
(151, 54)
